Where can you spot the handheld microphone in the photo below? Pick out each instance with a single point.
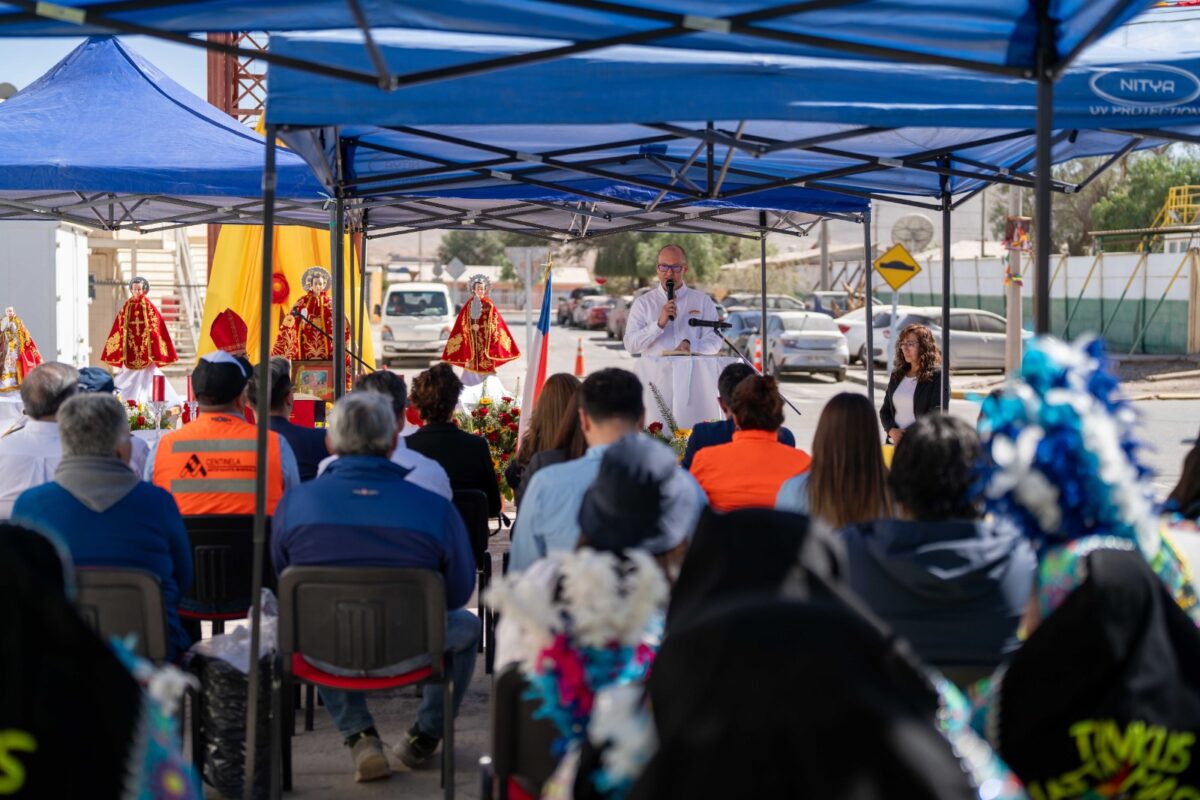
(709, 323)
(671, 296)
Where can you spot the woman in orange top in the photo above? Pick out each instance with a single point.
(747, 472)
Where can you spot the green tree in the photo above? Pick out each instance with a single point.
(632, 255)
(472, 247)
(1137, 199)
(485, 247)
(1127, 195)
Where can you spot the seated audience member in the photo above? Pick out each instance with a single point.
(363, 512)
(941, 575)
(629, 520)
(1103, 698)
(307, 444)
(209, 464)
(748, 471)
(105, 514)
(847, 482)
(464, 456)
(567, 446)
(424, 472)
(544, 424)
(915, 386)
(548, 519)
(95, 379)
(707, 434)
(1184, 499)
(29, 455)
(827, 707)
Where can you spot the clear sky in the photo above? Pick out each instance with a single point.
(23, 61)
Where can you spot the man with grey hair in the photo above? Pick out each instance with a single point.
(104, 513)
(361, 511)
(30, 453)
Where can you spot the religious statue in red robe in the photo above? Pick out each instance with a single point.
(297, 339)
(139, 337)
(480, 341)
(20, 353)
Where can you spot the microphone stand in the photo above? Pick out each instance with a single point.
(329, 338)
(750, 364)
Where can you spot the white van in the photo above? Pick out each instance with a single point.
(417, 318)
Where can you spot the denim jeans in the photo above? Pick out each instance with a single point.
(349, 709)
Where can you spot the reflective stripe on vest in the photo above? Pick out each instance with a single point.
(210, 466)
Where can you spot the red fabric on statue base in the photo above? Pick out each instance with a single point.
(139, 337)
(484, 349)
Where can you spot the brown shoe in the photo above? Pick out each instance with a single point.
(370, 764)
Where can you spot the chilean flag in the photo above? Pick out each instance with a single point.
(535, 375)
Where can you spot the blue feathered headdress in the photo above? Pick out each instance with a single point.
(1062, 456)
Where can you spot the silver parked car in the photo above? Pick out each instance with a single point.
(977, 337)
(805, 341)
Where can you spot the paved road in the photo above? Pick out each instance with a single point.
(1169, 426)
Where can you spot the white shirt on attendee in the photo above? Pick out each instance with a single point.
(139, 454)
(644, 337)
(28, 458)
(424, 471)
(902, 399)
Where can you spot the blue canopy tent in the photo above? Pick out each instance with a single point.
(1032, 39)
(837, 133)
(104, 139)
(1015, 37)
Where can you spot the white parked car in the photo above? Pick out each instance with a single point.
(417, 318)
(805, 341)
(977, 337)
(853, 325)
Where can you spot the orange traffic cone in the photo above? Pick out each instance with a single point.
(758, 354)
(579, 373)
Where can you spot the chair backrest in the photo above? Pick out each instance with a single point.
(472, 506)
(522, 746)
(223, 559)
(362, 618)
(118, 602)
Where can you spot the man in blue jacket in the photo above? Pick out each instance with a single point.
(707, 434)
(362, 512)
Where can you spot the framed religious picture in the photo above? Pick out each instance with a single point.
(313, 379)
(1017, 233)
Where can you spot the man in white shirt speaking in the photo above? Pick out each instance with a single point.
(657, 324)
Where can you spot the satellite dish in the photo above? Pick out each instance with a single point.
(7, 90)
(914, 231)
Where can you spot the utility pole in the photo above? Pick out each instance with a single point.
(1014, 312)
(824, 285)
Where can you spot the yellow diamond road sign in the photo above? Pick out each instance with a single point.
(897, 267)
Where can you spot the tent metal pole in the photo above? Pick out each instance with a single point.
(262, 403)
(338, 257)
(363, 310)
(762, 269)
(1041, 200)
(868, 252)
(353, 295)
(946, 262)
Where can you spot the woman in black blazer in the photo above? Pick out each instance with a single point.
(464, 456)
(915, 388)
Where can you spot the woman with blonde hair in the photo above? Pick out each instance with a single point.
(914, 389)
(545, 425)
(847, 482)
